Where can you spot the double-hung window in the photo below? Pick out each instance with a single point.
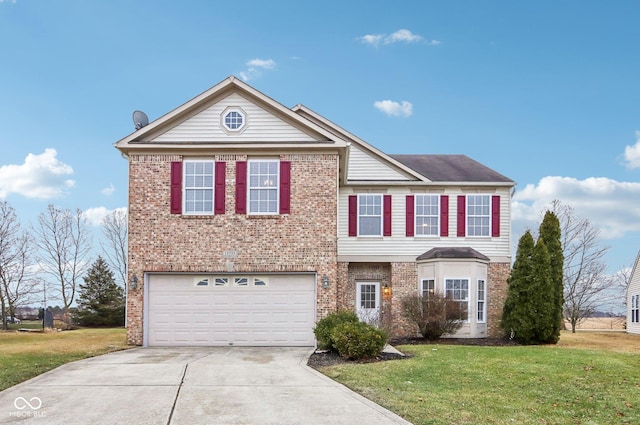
(482, 296)
(370, 215)
(427, 217)
(198, 187)
(263, 186)
(428, 287)
(635, 308)
(478, 215)
(457, 290)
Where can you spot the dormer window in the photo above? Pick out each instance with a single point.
(234, 120)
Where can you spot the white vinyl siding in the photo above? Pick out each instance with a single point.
(262, 126)
(633, 299)
(398, 244)
(364, 167)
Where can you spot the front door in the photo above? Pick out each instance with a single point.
(368, 302)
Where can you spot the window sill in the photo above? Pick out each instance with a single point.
(264, 216)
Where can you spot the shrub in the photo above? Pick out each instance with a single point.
(325, 326)
(434, 315)
(358, 340)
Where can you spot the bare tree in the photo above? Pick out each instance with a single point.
(16, 283)
(115, 228)
(586, 284)
(64, 242)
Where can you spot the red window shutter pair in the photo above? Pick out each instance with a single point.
(241, 187)
(410, 215)
(495, 215)
(353, 215)
(219, 189)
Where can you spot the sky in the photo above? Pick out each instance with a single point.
(547, 93)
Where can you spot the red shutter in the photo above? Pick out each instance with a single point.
(353, 215)
(220, 188)
(176, 188)
(241, 187)
(462, 215)
(285, 187)
(444, 215)
(386, 226)
(410, 215)
(495, 216)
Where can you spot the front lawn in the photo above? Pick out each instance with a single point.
(588, 378)
(24, 355)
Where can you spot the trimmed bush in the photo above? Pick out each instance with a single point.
(325, 327)
(358, 340)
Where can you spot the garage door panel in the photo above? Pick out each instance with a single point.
(280, 313)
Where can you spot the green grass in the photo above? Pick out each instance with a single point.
(24, 355)
(452, 384)
(26, 324)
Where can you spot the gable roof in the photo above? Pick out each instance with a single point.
(145, 136)
(451, 168)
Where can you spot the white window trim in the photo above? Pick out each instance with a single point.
(635, 308)
(415, 215)
(381, 197)
(468, 299)
(276, 188)
(422, 282)
(467, 215)
(234, 131)
(185, 188)
(483, 300)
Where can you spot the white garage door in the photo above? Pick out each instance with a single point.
(245, 310)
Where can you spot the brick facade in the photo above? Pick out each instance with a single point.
(497, 289)
(303, 241)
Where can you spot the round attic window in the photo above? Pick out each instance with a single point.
(234, 119)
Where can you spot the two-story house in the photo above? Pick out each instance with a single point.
(249, 221)
(633, 299)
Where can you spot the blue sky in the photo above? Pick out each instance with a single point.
(543, 92)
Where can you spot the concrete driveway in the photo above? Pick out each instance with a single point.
(213, 385)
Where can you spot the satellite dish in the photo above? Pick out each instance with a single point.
(140, 119)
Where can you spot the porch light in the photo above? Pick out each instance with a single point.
(133, 284)
(325, 281)
(386, 290)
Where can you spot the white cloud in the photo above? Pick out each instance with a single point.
(254, 68)
(108, 190)
(96, 215)
(391, 108)
(403, 35)
(400, 36)
(41, 176)
(609, 205)
(632, 153)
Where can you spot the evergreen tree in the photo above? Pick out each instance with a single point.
(540, 291)
(518, 312)
(551, 233)
(100, 300)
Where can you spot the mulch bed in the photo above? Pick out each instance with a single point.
(329, 358)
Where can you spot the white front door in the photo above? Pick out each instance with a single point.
(368, 302)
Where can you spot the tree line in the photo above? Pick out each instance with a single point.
(49, 259)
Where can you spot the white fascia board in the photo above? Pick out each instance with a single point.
(227, 84)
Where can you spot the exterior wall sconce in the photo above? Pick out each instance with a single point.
(386, 290)
(325, 281)
(133, 284)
